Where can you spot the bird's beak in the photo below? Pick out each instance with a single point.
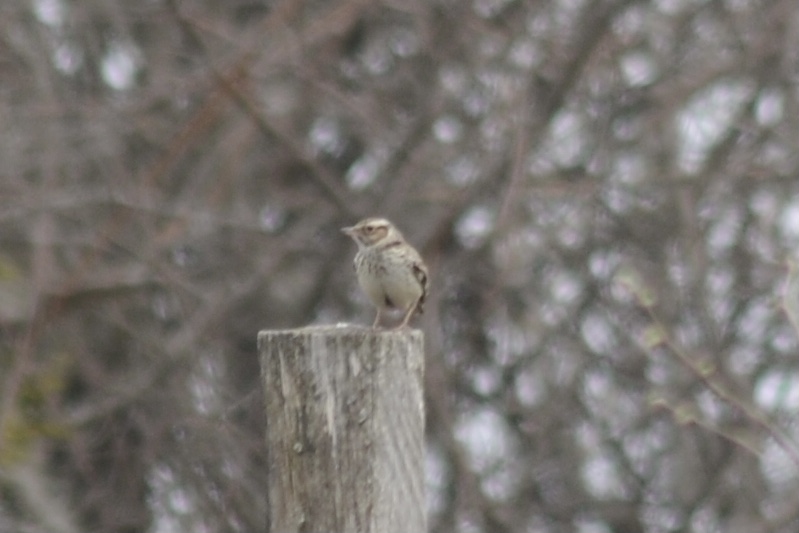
(348, 230)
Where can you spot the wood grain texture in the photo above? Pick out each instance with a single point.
(345, 429)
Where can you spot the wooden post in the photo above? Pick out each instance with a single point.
(344, 430)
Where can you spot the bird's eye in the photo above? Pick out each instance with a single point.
(369, 229)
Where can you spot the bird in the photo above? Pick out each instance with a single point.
(389, 270)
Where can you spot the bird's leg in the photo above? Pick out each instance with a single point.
(377, 319)
(408, 315)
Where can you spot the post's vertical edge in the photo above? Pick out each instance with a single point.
(399, 433)
(280, 400)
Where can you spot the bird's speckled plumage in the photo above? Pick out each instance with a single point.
(389, 270)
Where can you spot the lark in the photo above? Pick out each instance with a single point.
(390, 271)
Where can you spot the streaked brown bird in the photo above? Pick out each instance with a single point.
(389, 270)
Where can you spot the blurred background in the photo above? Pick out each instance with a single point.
(605, 191)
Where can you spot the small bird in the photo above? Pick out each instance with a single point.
(389, 270)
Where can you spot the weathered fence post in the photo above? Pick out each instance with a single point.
(345, 430)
